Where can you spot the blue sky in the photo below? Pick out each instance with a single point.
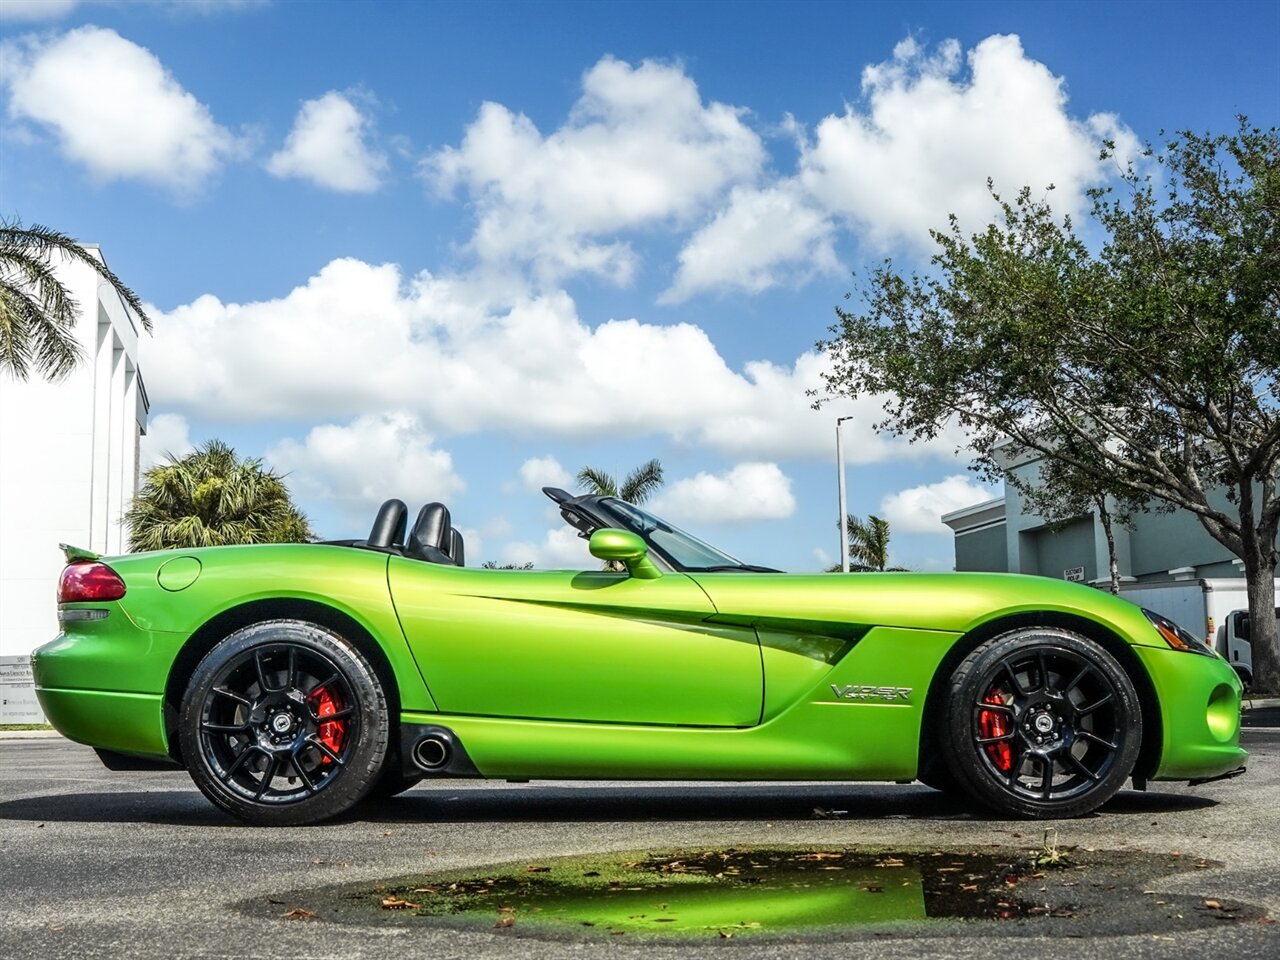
(455, 251)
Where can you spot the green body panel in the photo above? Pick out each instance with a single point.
(595, 674)
(588, 646)
(820, 736)
(1200, 725)
(126, 722)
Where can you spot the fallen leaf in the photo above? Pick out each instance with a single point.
(537, 869)
(388, 833)
(1213, 904)
(592, 873)
(395, 903)
(507, 921)
(297, 913)
(725, 935)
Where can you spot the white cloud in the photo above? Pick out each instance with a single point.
(761, 236)
(464, 354)
(539, 472)
(639, 148)
(327, 146)
(926, 138)
(167, 433)
(560, 549)
(369, 460)
(114, 108)
(919, 509)
(932, 135)
(748, 492)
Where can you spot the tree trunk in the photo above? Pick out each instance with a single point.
(1113, 565)
(1264, 636)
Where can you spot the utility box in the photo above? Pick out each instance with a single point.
(18, 702)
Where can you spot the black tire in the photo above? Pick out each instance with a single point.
(392, 781)
(1041, 723)
(284, 723)
(937, 776)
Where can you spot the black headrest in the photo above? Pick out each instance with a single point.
(456, 548)
(431, 529)
(390, 525)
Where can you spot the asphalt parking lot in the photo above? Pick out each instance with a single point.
(96, 863)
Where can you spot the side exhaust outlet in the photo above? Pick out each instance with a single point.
(431, 753)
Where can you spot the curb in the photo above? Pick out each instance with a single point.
(30, 735)
(1259, 703)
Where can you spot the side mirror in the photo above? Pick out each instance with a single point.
(625, 548)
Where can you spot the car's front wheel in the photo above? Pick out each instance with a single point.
(1042, 722)
(284, 723)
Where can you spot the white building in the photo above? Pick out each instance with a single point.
(68, 459)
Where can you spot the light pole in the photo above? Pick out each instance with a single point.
(844, 511)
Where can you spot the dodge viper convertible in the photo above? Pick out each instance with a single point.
(293, 681)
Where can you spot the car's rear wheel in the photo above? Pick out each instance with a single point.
(284, 723)
(1042, 722)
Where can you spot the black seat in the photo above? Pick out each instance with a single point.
(390, 525)
(456, 548)
(432, 535)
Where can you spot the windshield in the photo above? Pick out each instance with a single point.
(685, 549)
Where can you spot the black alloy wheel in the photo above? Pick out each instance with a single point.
(284, 723)
(1042, 722)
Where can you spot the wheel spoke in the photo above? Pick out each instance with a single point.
(1075, 762)
(1000, 739)
(1100, 741)
(267, 777)
(1084, 672)
(321, 685)
(324, 748)
(236, 764)
(1044, 671)
(297, 765)
(225, 727)
(1089, 708)
(291, 680)
(224, 692)
(997, 707)
(1046, 779)
(1018, 688)
(262, 672)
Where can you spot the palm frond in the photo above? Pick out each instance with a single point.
(597, 482)
(642, 481)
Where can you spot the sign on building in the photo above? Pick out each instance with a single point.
(1074, 574)
(18, 702)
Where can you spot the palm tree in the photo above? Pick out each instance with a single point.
(37, 313)
(868, 542)
(210, 498)
(637, 486)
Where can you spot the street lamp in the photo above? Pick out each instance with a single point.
(844, 511)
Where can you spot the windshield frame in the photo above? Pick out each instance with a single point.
(644, 524)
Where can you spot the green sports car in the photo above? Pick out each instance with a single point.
(294, 680)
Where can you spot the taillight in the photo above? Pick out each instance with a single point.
(89, 582)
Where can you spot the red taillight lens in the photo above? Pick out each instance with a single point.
(89, 582)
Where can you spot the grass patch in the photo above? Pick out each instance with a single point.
(24, 726)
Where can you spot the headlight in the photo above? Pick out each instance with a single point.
(1176, 637)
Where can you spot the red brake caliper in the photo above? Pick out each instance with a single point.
(995, 723)
(331, 733)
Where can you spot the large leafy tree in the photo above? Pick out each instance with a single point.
(211, 498)
(37, 313)
(1149, 362)
(635, 488)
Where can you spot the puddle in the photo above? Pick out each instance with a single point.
(820, 893)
